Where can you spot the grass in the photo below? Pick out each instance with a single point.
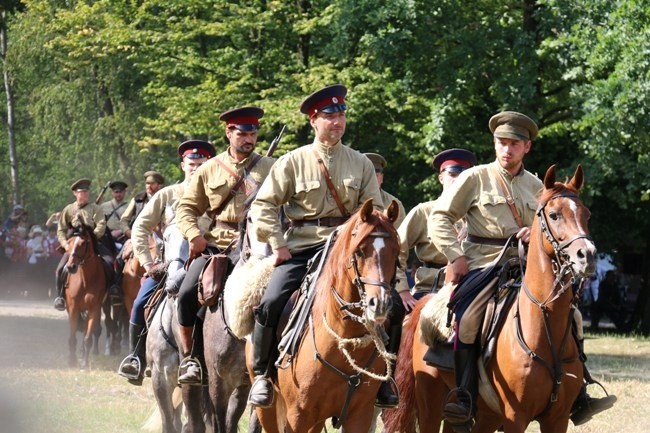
(40, 393)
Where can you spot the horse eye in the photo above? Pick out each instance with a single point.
(553, 215)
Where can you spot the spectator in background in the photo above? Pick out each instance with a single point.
(18, 216)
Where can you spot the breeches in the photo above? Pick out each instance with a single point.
(285, 279)
(470, 320)
(144, 294)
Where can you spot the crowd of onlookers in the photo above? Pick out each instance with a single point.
(28, 254)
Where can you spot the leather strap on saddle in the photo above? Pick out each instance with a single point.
(330, 185)
(509, 200)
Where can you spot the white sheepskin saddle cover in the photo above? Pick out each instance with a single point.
(244, 289)
(433, 318)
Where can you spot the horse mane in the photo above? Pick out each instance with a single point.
(350, 236)
(558, 188)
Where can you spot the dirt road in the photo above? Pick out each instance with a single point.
(40, 392)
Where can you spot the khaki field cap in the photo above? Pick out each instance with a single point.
(154, 177)
(377, 160)
(513, 125)
(81, 185)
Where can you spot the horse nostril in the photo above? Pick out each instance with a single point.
(372, 303)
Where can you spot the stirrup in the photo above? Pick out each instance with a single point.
(453, 418)
(394, 389)
(129, 360)
(182, 370)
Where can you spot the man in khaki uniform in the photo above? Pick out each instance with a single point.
(160, 212)
(84, 212)
(211, 190)
(153, 182)
(413, 230)
(296, 182)
(478, 197)
(379, 162)
(113, 210)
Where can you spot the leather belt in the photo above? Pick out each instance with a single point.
(227, 225)
(431, 265)
(320, 222)
(486, 241)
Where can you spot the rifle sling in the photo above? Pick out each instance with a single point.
(236, 186)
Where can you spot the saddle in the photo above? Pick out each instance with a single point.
(506, 280)
(300, 310)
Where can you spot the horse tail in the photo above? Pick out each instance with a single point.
(154, 420)
(402, 419)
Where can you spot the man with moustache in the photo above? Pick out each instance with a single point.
(216, 189)
(297, 184)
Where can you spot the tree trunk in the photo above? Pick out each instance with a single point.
(13, 157)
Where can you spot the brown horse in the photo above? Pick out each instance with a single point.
(133, 273)
(86, 289)
(535, 371)
(341, 360)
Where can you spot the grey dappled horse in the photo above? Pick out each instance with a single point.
(225, 357)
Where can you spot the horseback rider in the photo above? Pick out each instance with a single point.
(379, 162)
(316, 201)
(153, 182)
(478, 196)
(113, 210)
(160, 212)
(80, 212)
(219, 188)
(412, 232)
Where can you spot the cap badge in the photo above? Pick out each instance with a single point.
(335, 100)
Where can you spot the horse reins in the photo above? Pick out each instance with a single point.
(561, 268)
(354, 380)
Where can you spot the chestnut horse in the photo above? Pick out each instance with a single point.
(85, 290)
(341, 359)
(535, 370)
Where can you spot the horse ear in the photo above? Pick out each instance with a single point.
(578, 178)
(549, 179)
(393, 211)
(366, 210)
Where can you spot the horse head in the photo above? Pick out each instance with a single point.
(563, 222)
(366, 251)
(81, 245)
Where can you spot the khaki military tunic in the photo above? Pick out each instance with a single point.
(296, 181)
(209, 187)
(89, 214)
(477, 196)
(160, 209)
(129, 215)
(413, 234)
(386, 199)
(113, 212)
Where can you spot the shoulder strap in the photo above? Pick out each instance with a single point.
(509, 199)
(235, 188)
(115, 209)
(330, 186)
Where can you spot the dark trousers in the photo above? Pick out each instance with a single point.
(285, 280)
(188, 295)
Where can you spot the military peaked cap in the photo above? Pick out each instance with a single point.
(330, 99)
(244, 118)
(195, 149)
(454, 160)
(377, 160)
(154, 176)
(118, 185)
(81, 185)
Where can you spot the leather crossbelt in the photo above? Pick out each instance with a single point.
(509, 199)
(321, 222)
(486, 241)
(227, 225)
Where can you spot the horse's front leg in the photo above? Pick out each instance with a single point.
(72, 341)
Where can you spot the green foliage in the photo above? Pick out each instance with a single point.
(109, 88)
